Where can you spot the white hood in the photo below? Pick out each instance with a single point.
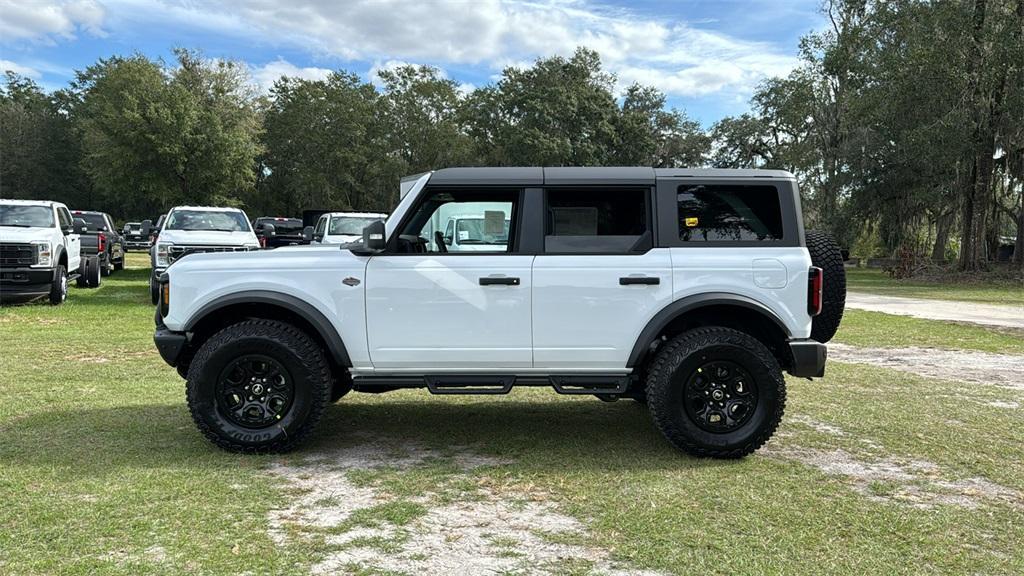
(207, 237)
(20, 235)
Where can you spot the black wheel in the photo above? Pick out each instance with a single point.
(59, 285)
(154, 292)
(119, 264)
(342, 386)
(94, 276)
(825, 254)
(258, 386)
(716, 392)
(83, 274)
(107, 267)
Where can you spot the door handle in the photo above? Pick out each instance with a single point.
(499, 281)
(646, 280)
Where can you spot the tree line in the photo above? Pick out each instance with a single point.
(904, 122)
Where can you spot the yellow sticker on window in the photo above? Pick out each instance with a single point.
(691, 222)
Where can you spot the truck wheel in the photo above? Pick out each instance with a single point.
(94, 276)
(83, 274)
(258, 386)
(107, 268)
(119, 264)
(716, 392)
(825, 254)
(59, 285)
(154, 292)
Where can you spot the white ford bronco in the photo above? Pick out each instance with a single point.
(690, 290)
(40, 249)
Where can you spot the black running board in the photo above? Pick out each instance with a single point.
(494, 383)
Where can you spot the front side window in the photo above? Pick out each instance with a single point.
(65, 217)
(728, 212)
(26, 216)
(350, 225)
(461, 222)
(321, 225)
(596, 220)
(206, 220)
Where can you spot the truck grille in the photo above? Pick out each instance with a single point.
(15, 255)
(177, 252)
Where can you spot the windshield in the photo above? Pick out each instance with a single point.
(472, 231)
(26, 216)
(92, 221)
(285, 226)
(350, 225)
(207, 220)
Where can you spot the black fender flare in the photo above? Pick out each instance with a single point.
(689, 304)
(299, 307)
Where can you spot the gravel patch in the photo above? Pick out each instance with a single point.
(950, 310)
(486, 533)
(959, 365)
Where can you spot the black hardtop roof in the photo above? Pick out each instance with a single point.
(595, 175)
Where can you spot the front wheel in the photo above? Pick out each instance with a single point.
(716, 392)
(59, 286)
(258, 386)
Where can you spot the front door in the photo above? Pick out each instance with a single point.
(444, 304)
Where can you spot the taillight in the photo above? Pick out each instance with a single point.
(815, 278)
(102, 239)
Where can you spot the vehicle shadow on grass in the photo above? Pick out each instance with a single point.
(538, 435)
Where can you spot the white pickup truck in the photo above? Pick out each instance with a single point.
(343, 227)
(689, 290)
(199, 229)
(40, 250)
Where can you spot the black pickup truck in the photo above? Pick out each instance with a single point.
(273, 232)
(102, 239)
(134, 237)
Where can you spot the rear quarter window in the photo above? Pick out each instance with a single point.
(729, 212)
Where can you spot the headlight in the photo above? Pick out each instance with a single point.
(162, 250)
(44, 253)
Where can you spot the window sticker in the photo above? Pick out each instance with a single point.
(692, 222)
(494, 222)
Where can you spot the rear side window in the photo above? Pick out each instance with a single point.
(596, 221)
(724, 213)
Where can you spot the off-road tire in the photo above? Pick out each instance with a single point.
(94, 276)
(154, 292)
(676, 361)
(825, 254)
(59, 285)
(284, 343)
(83, 274)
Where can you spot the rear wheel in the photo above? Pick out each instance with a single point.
(825, 254)
(94, 275)
(716, 392)
(258, 386)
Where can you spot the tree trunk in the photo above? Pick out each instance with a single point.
(943, 227)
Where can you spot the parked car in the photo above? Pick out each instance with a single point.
(689, 290)
(102, 239)
(476, 233)
(343, 227)
(40, 250)
(193, 229)
(274, 232)
(134, 237)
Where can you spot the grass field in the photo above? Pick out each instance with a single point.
(872, 472)
(876, 281)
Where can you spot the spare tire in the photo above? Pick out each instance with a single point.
(825, 254)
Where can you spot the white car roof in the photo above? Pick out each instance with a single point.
(47, 203)
(357, 214)
(206, 209)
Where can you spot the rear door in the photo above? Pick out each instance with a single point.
(598, 279)
(435, 307)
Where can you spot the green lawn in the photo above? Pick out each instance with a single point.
(102, 471)
(875, 329)
(878, 282)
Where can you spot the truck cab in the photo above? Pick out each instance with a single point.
(343, 227)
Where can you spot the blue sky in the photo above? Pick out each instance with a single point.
(706, 55)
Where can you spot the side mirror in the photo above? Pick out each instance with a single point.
(127, 230)
(373, 236)
(147, 227)
(307, 235)
(269, 230)
(78, 226)
(448, 240)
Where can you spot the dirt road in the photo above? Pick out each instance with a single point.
(984, 314)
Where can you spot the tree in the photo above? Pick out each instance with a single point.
(649, 135)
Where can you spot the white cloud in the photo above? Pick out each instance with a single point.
(27, 71)
(44, 21)
(265, 76)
